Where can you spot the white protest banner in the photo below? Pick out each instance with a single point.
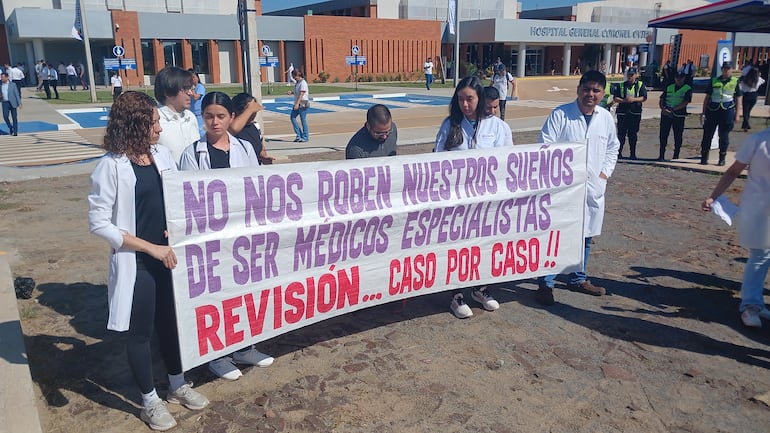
(266, 250)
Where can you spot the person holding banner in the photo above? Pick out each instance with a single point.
(469, 127)
(126, 209)
(754, 222)
(219, 149)
(584, 121)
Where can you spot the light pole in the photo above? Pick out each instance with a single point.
(654, 41)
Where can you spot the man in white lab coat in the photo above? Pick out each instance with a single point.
(585, 121)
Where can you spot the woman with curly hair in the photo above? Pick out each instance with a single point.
(126, 209)
(470, 127)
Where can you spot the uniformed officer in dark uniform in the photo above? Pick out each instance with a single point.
(719, 108)
(673, 111)
(629, 96)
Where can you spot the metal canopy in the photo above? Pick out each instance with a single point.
(726, 16)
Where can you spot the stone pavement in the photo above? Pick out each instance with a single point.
(20, 158)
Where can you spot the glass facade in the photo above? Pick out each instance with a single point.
(148, 54)
(200, 57)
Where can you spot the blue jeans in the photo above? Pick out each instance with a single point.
(302, 134)
(754, 278)
(575, 277)
(428, 80)
(9, 109)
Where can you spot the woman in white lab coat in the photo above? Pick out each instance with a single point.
(126, 209)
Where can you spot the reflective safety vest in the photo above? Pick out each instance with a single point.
(723, 93)
(675, 97)
(607, 101)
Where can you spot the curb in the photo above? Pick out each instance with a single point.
(18, 409)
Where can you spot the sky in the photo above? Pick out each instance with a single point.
(270, 5)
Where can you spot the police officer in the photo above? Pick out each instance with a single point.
(629, 96)
(719, 109)
(673, 110)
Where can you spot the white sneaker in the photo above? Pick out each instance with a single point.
(158, 417)
(188, 397)
(224, 368)
(460, 309)
(253, 357)
(485, 299)
(751, 316)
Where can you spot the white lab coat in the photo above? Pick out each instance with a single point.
(112, 212)
(179, 130)
(566, 124)
(492, 132)
(241, 155)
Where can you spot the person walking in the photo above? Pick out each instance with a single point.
(126, 209)
(584, 121)
(72, 76)
(469, 127)
(301, 104)
(719, 110)
(116, 82)
(11, 103)
(753, 222)
(428, 68)
(290, 74)
(629, 96)
(749, 85)
(52, 81)
(673, 112)
(378, 137)
(501, 81)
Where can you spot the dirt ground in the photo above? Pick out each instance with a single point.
(664, 351)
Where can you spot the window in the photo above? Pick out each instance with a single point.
(200, 56)
(172, 53)
(148, 57)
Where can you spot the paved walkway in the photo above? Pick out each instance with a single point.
(68, 152)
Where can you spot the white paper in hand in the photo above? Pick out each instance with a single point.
(725, 209)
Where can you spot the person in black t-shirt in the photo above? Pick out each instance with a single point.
(244, 127)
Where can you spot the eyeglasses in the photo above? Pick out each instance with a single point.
(381, 134)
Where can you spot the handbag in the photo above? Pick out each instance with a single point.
(304, 103)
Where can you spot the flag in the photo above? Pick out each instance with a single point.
(77, 28)
(451, 8)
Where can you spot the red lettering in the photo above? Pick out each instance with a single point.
(230, 319)
(256, 321)
(207, 333)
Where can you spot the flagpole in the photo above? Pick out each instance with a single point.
(457, 44)
(87, 42)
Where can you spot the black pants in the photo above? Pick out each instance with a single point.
(749, 101)
(502, 109)
(628, 124)
(666, 124)
(152, 310)
(117, 91)
(725, 119)
(47, 85)
(8, 109)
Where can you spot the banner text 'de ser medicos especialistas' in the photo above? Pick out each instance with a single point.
(263, 251)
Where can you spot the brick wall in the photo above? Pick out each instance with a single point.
(694, 43)
(127, 36)
(390, 46)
